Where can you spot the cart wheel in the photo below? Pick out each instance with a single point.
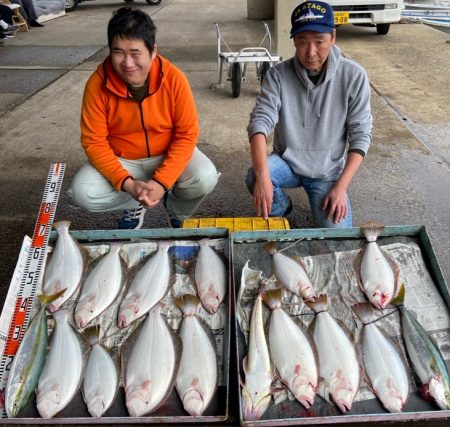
(264, 68)
(153, 2)
(236, 79)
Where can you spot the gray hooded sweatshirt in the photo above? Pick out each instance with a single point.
(312, 124)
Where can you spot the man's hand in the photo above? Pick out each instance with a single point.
(263, 196)
(147, 193)
(335, 204)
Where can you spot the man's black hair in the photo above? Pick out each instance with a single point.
(133, 24)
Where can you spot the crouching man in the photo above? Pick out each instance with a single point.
(139, 130)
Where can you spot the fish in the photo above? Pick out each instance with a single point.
(29, 360)
(378, 273)
(291, 352)
(258, 372)
(385, 369)
(101, 287)
(338, 364)
(152, 366)
(291, 273)
(101, 379)
(210, 277)
(63, 369)
(65, 268)
(425, 356)
(197, 375)
(148, 287)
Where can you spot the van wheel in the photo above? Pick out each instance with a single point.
(383, 29)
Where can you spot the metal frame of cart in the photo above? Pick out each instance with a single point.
(237, 61)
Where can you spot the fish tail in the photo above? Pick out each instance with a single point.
(271, 247)
(400, 297)
(188, 304)
(48, 299)
(164, 244)
(272, 298)
(92, 334)
(364, 311)
(371, 230)
(203, 242)
(61, 225)
(115, 247)
(319, 305)
(61, 316)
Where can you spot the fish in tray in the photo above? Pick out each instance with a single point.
(62, 373)
(152, 365)
(197, 376)
(377, 271)
(291, 352)
(426, 357)
(384, 367)
(210, 277)
(101, 287)
(101, 379)
(291, 273)
(338, 364)
(148, 287)
(65, 268)
(28, 361)
(256, 390)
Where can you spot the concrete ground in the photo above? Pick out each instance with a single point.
(405, 178)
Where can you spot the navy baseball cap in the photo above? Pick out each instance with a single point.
(312, 16)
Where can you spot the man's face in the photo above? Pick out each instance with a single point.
(312, 48)
(131, 60)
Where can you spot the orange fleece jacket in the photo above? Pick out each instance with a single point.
(114, 125)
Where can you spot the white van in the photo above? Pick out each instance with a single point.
(379, 13)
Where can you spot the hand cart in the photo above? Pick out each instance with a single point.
(237, 61)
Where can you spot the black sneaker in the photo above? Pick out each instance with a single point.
(34, 23)
(171, 221)
(12, 28)
(132, 219)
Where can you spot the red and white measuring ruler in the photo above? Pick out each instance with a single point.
(22, 295)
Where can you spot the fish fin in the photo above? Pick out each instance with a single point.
(371, 230)
(271, 247)
(395, 269)
(48, 299)
(187, 303)
(364, 311)
(357, 265)
(399, 298)
(319, 305)
(272, 298)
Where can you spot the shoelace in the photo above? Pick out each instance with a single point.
(132, 214)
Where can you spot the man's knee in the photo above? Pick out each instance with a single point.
(207, 180)
(79, 192)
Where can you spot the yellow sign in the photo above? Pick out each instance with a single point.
(341, 18)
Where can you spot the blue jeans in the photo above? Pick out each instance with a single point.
(316, 188)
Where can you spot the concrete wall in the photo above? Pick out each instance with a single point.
(283, 44)
(260, 9)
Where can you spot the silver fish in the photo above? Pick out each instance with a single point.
(379, 275)
(101, 379)
(291, 273)
(101, 287)
(426, 358)
(256, 393)
(65, 268)
(63, 369)
(148, 287)
(210, 277)
(291, 352)
(28, 361)
(338, 365)
(197, 375)
(152, 365)
(384, 367)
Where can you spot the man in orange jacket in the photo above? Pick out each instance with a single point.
(139, 129)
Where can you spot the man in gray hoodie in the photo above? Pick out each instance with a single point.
(316, 103)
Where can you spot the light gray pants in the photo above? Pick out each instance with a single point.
(93, 192)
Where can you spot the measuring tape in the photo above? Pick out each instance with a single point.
(24, 295)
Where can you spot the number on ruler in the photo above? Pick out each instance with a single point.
(37, 253)
(30, 277)
(52, 187)
(48, 207)
(42, 228)
(16, 333)
(23, 305)
(9, 361)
